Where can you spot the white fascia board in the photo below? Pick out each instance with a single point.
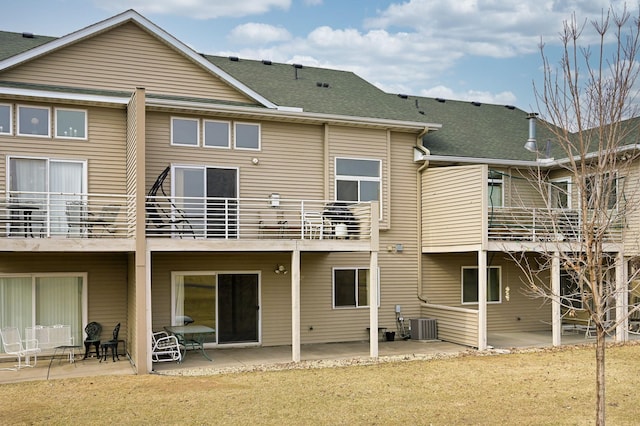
(292, 114)
(50, 94)
(132, 15)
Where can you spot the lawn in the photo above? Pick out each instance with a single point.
(543, 387)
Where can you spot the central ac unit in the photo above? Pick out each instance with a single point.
(424, 329)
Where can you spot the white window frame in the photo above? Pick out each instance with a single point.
(552, 184)
(9, 130)
(69, 136)
(491, 302)
(617, 186)
(197, 121)
(492, 181)
(31, 135)
(356, 178)
(204, 134)
(356, 269)
(235, 135)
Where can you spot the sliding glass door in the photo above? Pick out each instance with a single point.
(46, 300)
(226, 302)
(46, 187)
(207, 198)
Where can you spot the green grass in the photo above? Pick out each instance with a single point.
(543, 387)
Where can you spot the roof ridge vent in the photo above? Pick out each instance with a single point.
(441, 100)
(403, 96)
(321, 84)
(266, 62)
(298, 66)
(27, 35)
(511, 107)
(475, 103)
(234, 58)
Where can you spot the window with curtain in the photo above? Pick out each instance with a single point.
(49, 184)
(39, 299)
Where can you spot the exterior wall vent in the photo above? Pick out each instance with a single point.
(424, 329)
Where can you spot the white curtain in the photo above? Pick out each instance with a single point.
(178, 298)
(64, 177)
(59, 301)
(39, 300)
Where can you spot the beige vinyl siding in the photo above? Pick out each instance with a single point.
(366, 144)
(452, 206)
(521, 189)
(454, 326)
(104, 150)
(289, 159)
(443, 286)
(106, 278)
(124, 58)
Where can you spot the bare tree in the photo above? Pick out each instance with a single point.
(588, 105)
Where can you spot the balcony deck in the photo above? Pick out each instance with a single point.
(546, 225)
(72, 222)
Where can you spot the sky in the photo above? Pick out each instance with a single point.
(474, 50)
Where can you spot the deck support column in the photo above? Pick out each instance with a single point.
(295, 306)
(556, 314)
(373, 304)
(482, 300)
(622, 299)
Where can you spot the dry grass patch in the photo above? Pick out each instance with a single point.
(544, 387)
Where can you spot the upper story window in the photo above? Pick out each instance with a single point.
(34, 121)
(71, 123)
(470, 284)
(185, 131)
(5, 119)
(247, 136)
(560, 193)
(495, 189)
(358, 180)
(217, 134)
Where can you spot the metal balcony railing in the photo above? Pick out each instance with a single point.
(69, 215)
(531, 224)
(244, 218)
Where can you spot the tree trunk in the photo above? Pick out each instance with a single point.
(600, 377)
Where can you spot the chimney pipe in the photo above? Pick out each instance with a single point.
(531, 144)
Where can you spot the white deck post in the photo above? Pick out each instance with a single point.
(295, 306)
(482, 300)
(373, 304)
(622, 299)
(556, 314)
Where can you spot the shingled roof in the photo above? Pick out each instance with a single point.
(318, 90)
(12, 44)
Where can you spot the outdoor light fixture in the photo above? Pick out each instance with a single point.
(274, 199)
(281, 269)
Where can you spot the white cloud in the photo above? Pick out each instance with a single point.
(313, 2)
(256, 33)
(198, 9)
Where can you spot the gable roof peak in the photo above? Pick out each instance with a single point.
(133, 16)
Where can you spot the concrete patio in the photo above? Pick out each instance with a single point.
(252, 358)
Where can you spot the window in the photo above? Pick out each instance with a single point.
(357, 180)
(5, 119)
(27, 300)
(33, 121)
(495, 189)
(560, 194)
(470, 284)
(601, 188)
(71, 123)
(351, 288)
(185, 131)
(247, 136)
(47, 184)
(216, 134)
